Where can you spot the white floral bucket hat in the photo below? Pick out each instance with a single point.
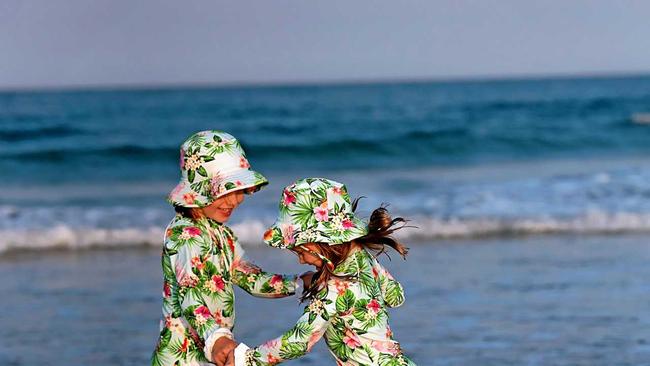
(213, 164)
(315, 210)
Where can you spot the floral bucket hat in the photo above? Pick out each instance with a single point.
(315, 210)
(213, 164)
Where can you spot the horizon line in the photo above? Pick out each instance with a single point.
(322, 82)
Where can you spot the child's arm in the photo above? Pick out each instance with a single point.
(298, 340)
(391, 290)
(250, 278)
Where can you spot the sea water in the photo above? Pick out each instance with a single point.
(84, 168)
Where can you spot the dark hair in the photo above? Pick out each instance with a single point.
(380, 228)
(188, 212)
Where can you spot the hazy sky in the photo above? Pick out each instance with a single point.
(73, 42)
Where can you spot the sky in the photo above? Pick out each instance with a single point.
(149, 42)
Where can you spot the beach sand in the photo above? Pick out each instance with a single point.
(546, 300)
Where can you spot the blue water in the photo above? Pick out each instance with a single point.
(490, 156)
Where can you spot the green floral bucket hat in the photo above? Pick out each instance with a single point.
(213, 164)
(315, 210)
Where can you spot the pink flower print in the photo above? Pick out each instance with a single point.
(287, 234)
(182, 162)
(341, 286)
(174, 325)
(351, 339)
(246, 267)
(197, 263)
(193, 231)
(202, 314)
(375, 274)
(347, 224)
(167, 291)
(389, 332)
(189, 198)
(337, 190)
(179, 187)
(231, 245)
(218, 318)
(276, 282)
(373, 306)
(243, 163)
(321, 212)
(313, 339)
(185, 345)
(270, 344)
(186, 279)
(216, 187)
(388, 347)
(268, 235)
(216, 283)
(239, 183)
(288, 197)
(272, 360)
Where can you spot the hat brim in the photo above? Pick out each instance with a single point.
(275, 237)
(249, 180)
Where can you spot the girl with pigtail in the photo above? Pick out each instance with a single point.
(350, 291)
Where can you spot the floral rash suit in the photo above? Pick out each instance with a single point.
(201, 261)
(352, 316)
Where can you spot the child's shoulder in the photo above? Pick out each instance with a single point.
(183, 230)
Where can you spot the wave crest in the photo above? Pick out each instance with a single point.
(250, 232)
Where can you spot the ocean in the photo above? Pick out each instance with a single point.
(530, 201)
(459, 159)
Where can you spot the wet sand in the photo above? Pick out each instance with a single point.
(547, 300)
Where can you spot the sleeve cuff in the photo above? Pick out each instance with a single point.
(240, 354)
(209, 342)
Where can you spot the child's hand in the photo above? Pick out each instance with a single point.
(230, 361)
(306, 279)
(222, 351)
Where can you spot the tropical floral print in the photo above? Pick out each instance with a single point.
(350, 313)
(201, 261)
(315, 210)
(213, 164)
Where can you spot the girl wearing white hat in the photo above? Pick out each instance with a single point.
(201, 257)
(350, 291)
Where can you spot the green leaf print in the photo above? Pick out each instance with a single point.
(228, 303)
(209, 269)
(360, 309)
(157, 358)
(165, 337)
(230, 185)
(302, 213)
(345, 301)
(290, 350)
(301, 330)
(168, 271)
(202, 171)
(394, 294)
(338, 347)
(368, 284)
(178, 349)
(190, 175)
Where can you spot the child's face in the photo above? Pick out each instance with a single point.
(304, 257)
(221, 209)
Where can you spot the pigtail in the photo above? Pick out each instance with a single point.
(381, 226)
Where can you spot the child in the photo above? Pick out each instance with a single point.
(350, 291)
(201, 258)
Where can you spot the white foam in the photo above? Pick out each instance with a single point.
(250, 232)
